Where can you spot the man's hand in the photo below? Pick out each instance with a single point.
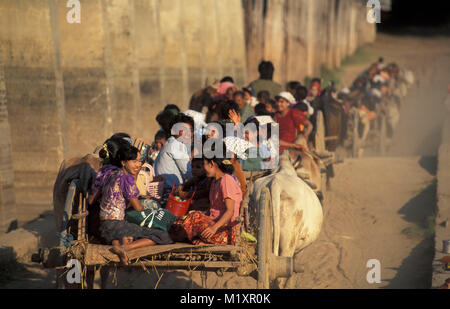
(235, 117)
(140, 142)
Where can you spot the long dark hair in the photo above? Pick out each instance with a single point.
(117, 149)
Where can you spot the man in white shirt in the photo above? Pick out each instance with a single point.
(173, 161)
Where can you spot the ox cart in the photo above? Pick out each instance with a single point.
(323, 142)
(376, 135)
(325, 147)
(246, 258)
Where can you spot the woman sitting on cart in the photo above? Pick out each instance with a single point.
(225, 198)
(116, 184)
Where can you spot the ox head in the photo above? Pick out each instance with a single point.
(285, 165)
(295, 155)
(305, 163)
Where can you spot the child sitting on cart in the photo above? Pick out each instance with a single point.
(116, 184)
(225, 197)
(200, 184)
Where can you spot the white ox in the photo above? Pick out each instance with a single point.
(297, 212)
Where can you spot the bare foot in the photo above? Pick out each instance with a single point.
(127, 240)
(120, 251)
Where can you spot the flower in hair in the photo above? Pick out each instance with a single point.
(105, 148)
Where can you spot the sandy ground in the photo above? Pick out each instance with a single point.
(378, 207)
(394, 195)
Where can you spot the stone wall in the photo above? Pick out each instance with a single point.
(8, 209)
(300, 36)
(69, 86)
(34, 96)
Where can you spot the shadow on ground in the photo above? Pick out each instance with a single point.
(429, 163)
(137, 278)
(416, 270)
(15, 274)
(422, 206)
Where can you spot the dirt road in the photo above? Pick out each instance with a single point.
(374, 212)
(382, 208)
(378, 208)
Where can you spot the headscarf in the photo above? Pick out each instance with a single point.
(223, 87)
(317, 84)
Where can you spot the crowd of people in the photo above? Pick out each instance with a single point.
(379, 89)
(132, 216)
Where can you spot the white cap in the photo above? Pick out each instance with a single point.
(287, 96)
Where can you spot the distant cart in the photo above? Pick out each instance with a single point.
(246, 258)
(376, 137)
(327, 155)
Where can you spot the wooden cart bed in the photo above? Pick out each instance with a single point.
(101, 254)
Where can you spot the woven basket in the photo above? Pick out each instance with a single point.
(178, 208)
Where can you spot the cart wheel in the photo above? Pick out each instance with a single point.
(355, 142)
(265, 240)
(320, 133)
(382, 137)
